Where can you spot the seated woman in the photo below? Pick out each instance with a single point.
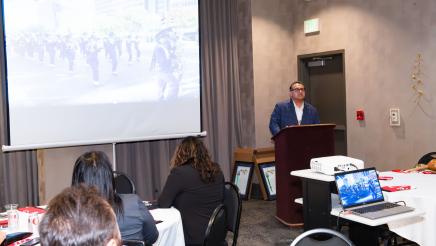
(134, 220)
(195, 187)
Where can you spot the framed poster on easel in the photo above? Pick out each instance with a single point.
(268, 173)
(262, 162)
(242, 174)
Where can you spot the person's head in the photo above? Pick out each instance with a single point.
(192, 151)
(79, 216)
(297, 92)
(94, 169)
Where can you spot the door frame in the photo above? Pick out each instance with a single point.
(303, 75)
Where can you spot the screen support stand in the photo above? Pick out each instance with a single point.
(114, 157)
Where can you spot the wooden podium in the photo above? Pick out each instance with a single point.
(256, 157)
(294, 147)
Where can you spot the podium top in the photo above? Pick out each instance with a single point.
(305, 126)
(311, 125)
(251, 154)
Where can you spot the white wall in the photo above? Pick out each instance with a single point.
(381, 40)
(57, 168)
(272, 57)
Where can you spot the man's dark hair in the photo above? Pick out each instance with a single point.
(78, 216)
(295, 82)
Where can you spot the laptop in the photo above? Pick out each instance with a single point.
(360, 192)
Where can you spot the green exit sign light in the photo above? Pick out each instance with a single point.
(311, 26)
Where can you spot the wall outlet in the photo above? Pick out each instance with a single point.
(394, 117)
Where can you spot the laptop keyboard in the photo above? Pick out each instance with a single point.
(375, 208)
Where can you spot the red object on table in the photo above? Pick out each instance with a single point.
(385, 178)
(398, 170)
(32, 210)
(396, 188)
(428, 172)
(4, 222)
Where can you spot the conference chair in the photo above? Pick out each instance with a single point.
(216, 230)
(123, 184)
(133, 243)
(329, 238)
(425, 159)
(233, 204)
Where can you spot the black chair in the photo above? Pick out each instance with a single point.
(425, 159)
(133, 243)
(233, 204)
(123, 184)
(321, 236)
(216, 230)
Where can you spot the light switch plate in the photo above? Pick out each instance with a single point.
(394, 117)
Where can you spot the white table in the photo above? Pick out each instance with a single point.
(413, 225)
(170, 229)
(421, 197)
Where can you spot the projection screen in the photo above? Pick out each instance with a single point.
(101, 71)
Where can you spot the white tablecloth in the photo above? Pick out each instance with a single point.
(170, 229)
(422, 197)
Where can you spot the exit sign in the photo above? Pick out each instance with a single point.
(311, 26)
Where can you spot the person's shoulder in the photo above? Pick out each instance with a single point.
(219, 175)
(309, 106)
(183, 170)
(129, 198)
(283, 103)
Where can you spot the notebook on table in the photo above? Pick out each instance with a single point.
(360, 192)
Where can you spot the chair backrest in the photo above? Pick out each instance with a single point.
(233, 204)
(133, 243)
(425, 159)
(216, 230)
(333, 238)
(123, 184)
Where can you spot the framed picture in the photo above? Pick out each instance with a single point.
(268, 174)
(242, 174)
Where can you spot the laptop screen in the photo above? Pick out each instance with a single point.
(358, 187)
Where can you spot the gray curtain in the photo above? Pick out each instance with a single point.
(223, 116)
(18, 170)
(148, 162)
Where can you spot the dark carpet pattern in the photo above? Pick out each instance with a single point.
(260, 227)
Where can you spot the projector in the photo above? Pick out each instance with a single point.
(333, 164)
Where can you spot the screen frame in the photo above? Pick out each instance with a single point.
(6, 141)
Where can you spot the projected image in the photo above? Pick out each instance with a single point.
(101, 51)
(357, 188)
(101, 71)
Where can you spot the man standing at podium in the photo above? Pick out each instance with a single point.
(294, 111)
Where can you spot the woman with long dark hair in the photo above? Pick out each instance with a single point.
(195, 187)
(134, 220)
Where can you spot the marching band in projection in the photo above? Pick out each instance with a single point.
(143, 50)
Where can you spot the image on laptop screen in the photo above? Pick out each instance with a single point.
(358, 187)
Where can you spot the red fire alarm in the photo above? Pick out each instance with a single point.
(360, 115)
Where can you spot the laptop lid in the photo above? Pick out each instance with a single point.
(358, 187)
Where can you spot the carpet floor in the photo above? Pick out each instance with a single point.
(259, 226)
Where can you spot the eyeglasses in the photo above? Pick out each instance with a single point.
(299, 89)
